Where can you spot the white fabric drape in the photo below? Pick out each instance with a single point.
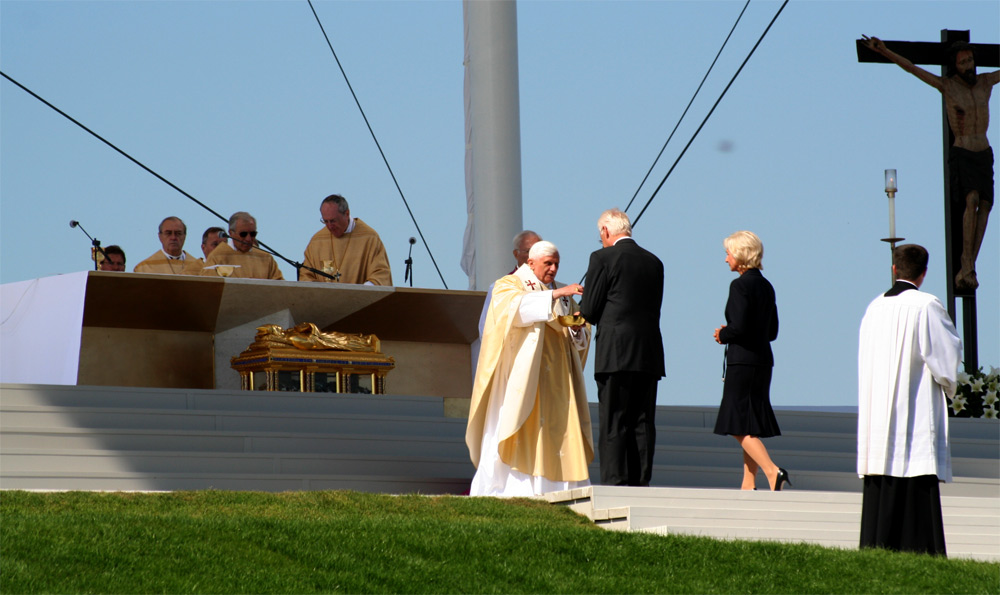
(42, 316)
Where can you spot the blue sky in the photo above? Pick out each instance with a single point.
(241, 105)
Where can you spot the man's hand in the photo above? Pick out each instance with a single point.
(875, 44)
(574, 289)
(716, 334)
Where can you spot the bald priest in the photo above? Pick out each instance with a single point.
(529, 428)
(346, 248)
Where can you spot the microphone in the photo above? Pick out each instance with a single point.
(93, 241)
(408, 276)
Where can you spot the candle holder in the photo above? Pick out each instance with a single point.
(890, 191)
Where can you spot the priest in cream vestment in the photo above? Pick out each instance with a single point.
(171, 259)
(347, 249)
(908, 359)
(162, 263)
(529, 428)
(239, 258)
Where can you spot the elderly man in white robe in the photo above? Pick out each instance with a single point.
(908, 359)
(529, 428)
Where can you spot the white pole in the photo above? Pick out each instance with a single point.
(493, 138)
(892, 214)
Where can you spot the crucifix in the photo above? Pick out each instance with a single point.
(968, 158)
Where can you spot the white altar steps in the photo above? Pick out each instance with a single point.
(115, 438)
(819, 449)
(112, 438)
(832, 519)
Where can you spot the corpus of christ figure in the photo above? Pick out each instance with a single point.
(970, 158)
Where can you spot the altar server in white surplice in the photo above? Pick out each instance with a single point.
(908, 359)
(529, 426)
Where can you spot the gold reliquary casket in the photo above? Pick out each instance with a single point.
(306, 360)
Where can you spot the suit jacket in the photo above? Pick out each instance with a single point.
(622, 298)
(751, 320)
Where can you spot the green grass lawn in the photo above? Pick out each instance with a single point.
(348, 542)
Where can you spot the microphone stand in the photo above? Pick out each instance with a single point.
(93, 241)
(264, 247)
(409, 264)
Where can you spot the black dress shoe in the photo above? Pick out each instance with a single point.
(782, 478)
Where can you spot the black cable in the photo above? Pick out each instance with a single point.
(695, 135)
(382, 153)
(134, 160)
(103, 140)
(679, 120)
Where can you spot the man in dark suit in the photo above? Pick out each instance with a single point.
(622, 298)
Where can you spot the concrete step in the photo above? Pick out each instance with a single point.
(807, 442)
(15, 416)
(46, 439)
(730, 477)
(36, 416)
(806, 419)
(833, 519)
(160, 482)
(217, 400)
(35, 462)
(731, 458)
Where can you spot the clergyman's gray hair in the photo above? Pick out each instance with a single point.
(240, 216)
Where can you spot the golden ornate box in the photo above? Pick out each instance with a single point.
(304, 359)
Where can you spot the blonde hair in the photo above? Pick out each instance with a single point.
(616, 221)
(746, 248)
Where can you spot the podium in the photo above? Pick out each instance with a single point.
(129, 329)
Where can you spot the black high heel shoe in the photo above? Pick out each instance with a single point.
(782, 478)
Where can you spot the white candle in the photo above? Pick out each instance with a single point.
(890, 180)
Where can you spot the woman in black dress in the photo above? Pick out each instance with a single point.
(751, 325)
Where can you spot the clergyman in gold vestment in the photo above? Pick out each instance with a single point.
(172, 259)
(347, 248)
(246, 261)
(529, 426)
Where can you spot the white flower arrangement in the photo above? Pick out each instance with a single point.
(978, 395)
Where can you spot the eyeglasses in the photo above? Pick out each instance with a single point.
(328, 221)
(252, 234)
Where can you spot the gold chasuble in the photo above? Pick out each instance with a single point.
(255, 264)
(159, 263)
(356, 257)
(529, 425)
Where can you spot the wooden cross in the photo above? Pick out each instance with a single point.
(928, 53)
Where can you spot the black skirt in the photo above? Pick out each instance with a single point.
(903, 513)
(746, 403)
